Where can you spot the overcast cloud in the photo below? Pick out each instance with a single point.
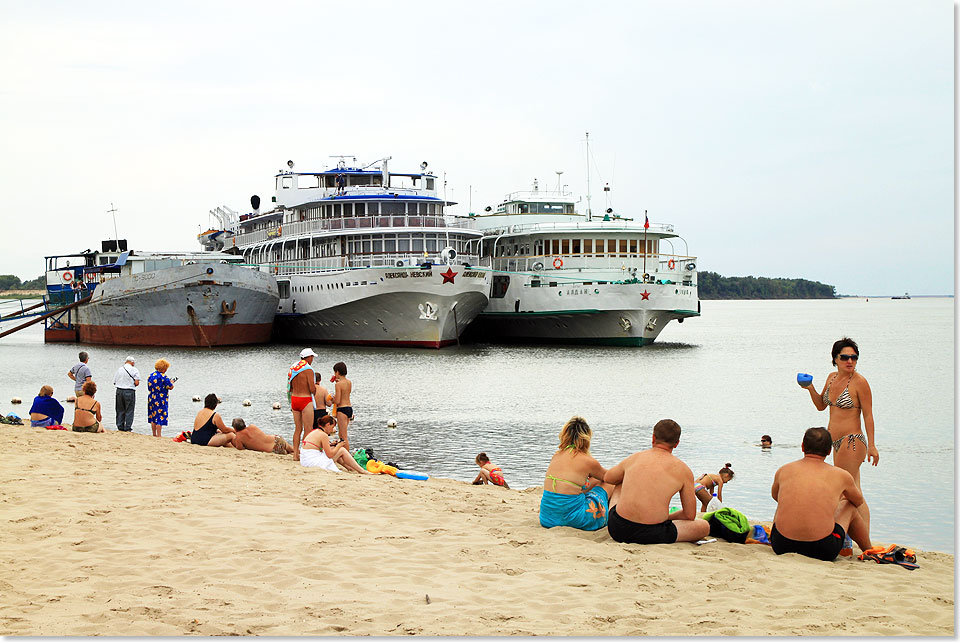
(798, 139)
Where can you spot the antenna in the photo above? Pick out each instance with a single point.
(589, 211)
(559, 173)
(113, 212)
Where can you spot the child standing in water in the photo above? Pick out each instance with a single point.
(489, 474)
(708, 481)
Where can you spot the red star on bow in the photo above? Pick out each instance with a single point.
(448, 275)
(645, 296)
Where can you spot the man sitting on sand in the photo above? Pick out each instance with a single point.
(252, 438)
(640, 507)
(816, 504)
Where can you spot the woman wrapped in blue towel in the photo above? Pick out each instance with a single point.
(573, 491)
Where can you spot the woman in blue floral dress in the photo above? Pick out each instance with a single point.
(158, 387)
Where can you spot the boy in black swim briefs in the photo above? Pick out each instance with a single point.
(809, 520)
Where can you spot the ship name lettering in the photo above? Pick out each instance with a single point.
(395, 275)
(420, 274)
(472, 274)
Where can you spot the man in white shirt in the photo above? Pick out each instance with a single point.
(126, 380)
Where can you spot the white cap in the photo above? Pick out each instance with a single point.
(307, 352)
(131, 359)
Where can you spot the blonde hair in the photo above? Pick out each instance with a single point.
(576, 433)
(161, 364)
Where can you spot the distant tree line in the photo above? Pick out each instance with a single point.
(714, 286)
(12, 282)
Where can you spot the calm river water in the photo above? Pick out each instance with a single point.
(726, 377)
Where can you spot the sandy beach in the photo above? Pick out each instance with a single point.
(123, 534)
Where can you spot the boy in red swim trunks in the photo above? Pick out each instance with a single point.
(301, 387)
(489, 474)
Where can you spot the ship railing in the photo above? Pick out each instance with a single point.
(664, 268)
(361, 261)
(612, 225)
(296, 228)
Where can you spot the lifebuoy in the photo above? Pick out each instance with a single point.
(671, 264)
(67, 276)
(557, 263)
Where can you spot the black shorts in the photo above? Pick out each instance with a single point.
(825, 549)
(623, 530)
(318, 414)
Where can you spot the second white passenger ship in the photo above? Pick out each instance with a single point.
(564, 277)
(364, 256)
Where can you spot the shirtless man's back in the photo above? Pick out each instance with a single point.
(816, 504)
(341, 400)
(640, 512)
(252, 438)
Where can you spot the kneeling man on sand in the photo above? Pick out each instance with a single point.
(816, 504)
(252, 438)
(640, 505)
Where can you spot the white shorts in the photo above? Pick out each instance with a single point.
(311, 458)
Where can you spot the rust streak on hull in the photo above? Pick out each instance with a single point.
(175, 335)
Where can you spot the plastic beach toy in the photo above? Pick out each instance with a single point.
(409, 474)
(804, 379)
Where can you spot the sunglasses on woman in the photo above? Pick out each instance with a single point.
(848, 357)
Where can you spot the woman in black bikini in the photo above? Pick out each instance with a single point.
(208, 424)
(848, 395)
(86, 410)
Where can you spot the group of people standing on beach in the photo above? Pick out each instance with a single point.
(818, 504)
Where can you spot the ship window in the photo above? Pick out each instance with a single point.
(623, 247)
(403, 244)
(430, 183)
(588, 246)
(308, 182)
(498, 288)
(432, 245)
(284, 288)
(555, 246)
(565, 246)
(576, 246)
(337, 210)
(568, 208)
(390, 245)
(286, 182)
(418, 244)
(347, 209)
(523, 208)
(366, 247)
(633, 247)
(393, 208)
(360, 209)
(599, 249)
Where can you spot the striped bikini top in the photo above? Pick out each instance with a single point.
(843, 399)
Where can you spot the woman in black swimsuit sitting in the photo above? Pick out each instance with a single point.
(848, 395)
(86, 410)
(208, 423)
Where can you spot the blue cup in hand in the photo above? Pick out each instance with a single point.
(804, 379)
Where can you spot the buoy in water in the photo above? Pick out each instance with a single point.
(247, 402)
(391, 423)
(276, 405)
(196, 397)
(16, 400)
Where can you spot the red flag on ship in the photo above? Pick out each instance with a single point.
(646, 220)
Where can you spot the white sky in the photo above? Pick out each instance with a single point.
(799, 139)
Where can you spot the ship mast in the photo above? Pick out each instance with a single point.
(589, 211)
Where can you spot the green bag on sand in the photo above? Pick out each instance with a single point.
(360, 456)
(730, 524)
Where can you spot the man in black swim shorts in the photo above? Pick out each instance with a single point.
(809, 520)
(647, 481)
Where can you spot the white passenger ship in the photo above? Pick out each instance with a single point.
(364, 256)
(559, 276)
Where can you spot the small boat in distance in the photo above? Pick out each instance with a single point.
(559, 276)
(906, 295)
(201, 299)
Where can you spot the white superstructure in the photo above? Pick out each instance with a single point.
(562, 276)
(365, 256)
